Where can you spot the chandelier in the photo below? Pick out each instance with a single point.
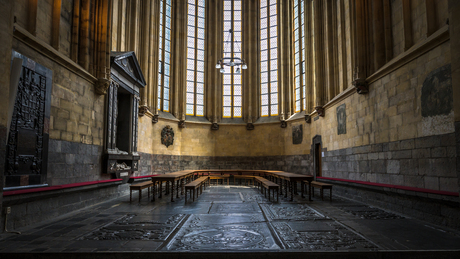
(231, 61)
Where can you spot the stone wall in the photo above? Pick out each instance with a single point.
(161, 164)
(427, 162)
(71, 162)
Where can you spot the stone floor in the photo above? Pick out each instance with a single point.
(232, 219)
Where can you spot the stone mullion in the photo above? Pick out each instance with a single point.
(407, 21)
(152, 80)
(144, 57)
(213, 50)
(342, 55)
(56, 19)
(329, 55)
(379, 34)
(286, 58)
(319, 44)
(388, 31)
(251, 51)
(84, 35)
(32, 9)
(75, 30)
(361, 42)
(430, 17)
(308, 57)
(178, 53)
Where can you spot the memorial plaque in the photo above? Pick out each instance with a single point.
(341, 120)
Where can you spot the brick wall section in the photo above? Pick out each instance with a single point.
(72, 162)
(427, 162)
(160, 164)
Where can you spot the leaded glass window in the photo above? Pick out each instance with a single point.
(232, 86)
(164, 74)
(299, 54)
(195, 57)
(268, 57)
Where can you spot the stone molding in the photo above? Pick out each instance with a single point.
(46, 50)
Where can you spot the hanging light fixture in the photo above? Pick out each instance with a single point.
(231, 61)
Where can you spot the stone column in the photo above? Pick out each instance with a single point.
(309, 58)
(379, 34)
(6, 34)
(454, 28)
(213, 50)
(55, 22)
(388, 31)
(179, 54)
(251, 50)
(153, 78)
(285, 65)
(319, 53)
(407, 21)
(144, 55)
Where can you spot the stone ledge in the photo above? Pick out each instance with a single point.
(29, 195)
(45, 49)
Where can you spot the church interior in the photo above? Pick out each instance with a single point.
(98, 97)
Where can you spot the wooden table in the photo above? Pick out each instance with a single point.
(173, 178)
(289, 180)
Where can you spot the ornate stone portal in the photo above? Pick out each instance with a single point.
(167, 136)
(122, 114)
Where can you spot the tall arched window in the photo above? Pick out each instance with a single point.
(195, 57)
(268, 57)
(299, 54)
(164, 56)
(232, 80)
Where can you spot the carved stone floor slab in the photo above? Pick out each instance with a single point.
(290, 211)
(367, 212)
(228, 208)
(137, 227)
(219, 196)
(221, 232)
(324, 235)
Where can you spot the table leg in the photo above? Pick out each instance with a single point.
(182, 186)
(177, 189)
(153, 191)
(285, 188)
(172, 191)
(309, 191)
(292, 190)
(161, 190)
(302, 188)
(280, 184)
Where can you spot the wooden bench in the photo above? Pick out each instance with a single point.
(246, 178)
(139, 187)
(321, 186)
(267, 185)
(219, 177)
(196, 185)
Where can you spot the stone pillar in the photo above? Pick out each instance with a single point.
(388, 31)
(319, 54)
(251, 50)
(454, 29)
(144, 55)
(56, 19)
(407, 21)
(379, 34)
(84, 35)
(179, 54)
(309, 58)
(213, 91)
(6, 34)
(285, 65)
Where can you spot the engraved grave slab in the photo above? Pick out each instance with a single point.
(326, 236)
(227, 208)
(218, 232)
(290, 211)
(367, 212)
(227, 196)
(134, 227)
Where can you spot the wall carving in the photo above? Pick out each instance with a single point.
(297, 134)
(167, 136)
(437, 92)
(341, 119)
